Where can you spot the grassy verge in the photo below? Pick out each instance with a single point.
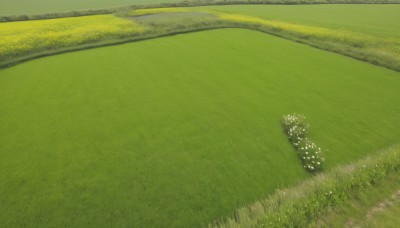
(367, 208)
(301, 205)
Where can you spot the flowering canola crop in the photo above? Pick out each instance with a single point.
(22, 38)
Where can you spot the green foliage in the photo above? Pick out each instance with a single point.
(301, 205)
(361, 209)
(311, 155)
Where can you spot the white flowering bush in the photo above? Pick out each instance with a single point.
(296, 129)
(311, 155)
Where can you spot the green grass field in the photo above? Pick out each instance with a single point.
(29, 7)
(151, 134)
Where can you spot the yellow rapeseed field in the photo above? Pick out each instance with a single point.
(22, 38)
(301, 30)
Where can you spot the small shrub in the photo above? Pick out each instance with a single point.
(296, 129)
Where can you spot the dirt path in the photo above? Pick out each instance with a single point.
(386, 204)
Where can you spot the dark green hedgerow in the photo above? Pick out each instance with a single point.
(301, 205)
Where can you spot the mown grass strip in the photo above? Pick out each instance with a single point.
(155, 11)
(300, 205)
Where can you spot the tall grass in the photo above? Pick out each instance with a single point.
(300, 205)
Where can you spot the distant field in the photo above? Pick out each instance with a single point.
(351, 32)
(35, 7)
(27, 37)
(151, 134)
(370, 19)
(29, 7)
